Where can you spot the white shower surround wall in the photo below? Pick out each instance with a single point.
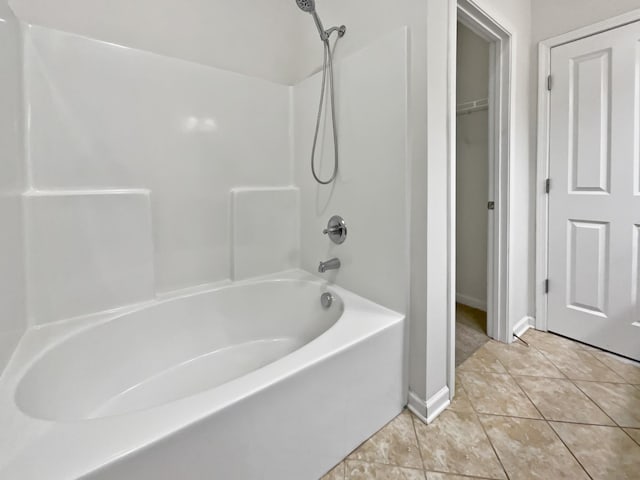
(107, 123)
(103, 117)
(133, 162)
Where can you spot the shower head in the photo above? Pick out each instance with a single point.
(307, 5)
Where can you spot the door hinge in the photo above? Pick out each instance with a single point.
(546, 286)
(491, 205)
(547, 185)
(549, 82)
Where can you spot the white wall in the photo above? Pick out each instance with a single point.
(472, 176)
(553, 17)
(472, 78)
(257, 38)
(371, 188)
(12, 275)
(109, 123)
(515, 16)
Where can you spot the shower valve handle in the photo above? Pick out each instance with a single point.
(336, 230)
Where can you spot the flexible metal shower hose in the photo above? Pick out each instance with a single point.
(327, 68)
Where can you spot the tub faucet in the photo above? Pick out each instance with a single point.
(332, 264)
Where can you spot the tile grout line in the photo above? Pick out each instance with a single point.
(463, 475)
(515, 377)
(629, 435)
(563, 376)
(495, 451)
(541, 352)
(415, 433)
(569, 449)
(552, 420)
(590, 354)
(544, 419)
(615, 423)
(573, 382)
(382, 464)
(484, 430)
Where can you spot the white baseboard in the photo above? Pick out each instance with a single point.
(523, 325)
(471, 302)
(430, 410)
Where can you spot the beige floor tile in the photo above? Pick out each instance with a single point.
(395, 444)
(627, 369)
(497, 394)
(447, 476)
(590, 348)
(468, 341)
(337, 473)
(482, 361)
(461, 401)
(578, 364)
(561, 400)
(471, 331)
(542, 339)
(634, 433)
(621, 402)
(357, 470)
(456, 443)
(529, 449)
(519, 359)
(605, 452)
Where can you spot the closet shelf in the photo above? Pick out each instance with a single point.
(473, 106)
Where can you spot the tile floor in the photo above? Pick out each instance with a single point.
(471, 328)
(554, 410)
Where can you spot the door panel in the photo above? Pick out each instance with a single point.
(589, 267)
(594, 204)
(590, 122)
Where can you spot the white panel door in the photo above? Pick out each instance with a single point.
(594, 204)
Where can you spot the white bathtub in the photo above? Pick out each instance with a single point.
(242, 381)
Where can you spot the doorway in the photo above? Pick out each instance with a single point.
(473, 195)
(499, 130)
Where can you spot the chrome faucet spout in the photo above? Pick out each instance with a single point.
(332, 264)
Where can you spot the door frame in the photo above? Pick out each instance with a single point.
(543, 154)
(499, 39)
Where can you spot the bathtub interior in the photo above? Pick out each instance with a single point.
(174, 349)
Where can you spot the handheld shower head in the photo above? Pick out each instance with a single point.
(307, 5)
